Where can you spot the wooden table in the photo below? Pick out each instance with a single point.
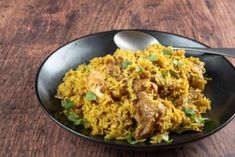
(31, 30)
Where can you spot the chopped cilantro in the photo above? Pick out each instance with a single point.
(90, 96)
(67, 103)
(72, 116)
(191, 113)
(188, 111)
(208, 78)
(196, 119)
(78, 121)
(130, 139)
(202, 120)
(178, 62)
(167, 52)
(153, 58)
(125, 64)
(165, 137)
(208, 125)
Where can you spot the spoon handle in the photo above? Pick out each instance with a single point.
(220, 51)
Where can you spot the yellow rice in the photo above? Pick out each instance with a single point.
(181, 80)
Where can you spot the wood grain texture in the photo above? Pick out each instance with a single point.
(30, 31)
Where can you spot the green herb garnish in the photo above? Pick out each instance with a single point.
(125, 64)
(75, 118)
(178, 62)
(72, 116)
(202, 120)
(153, 58)
(208, 125)
(130, 139)
(208, 78)
(78, 121)
(191, 113)
(166, 138)
(167, 52)
(188, 111)
(67, 103)
(90, 96)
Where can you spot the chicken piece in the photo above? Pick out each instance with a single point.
(197, 65)
(139, 85)
(197, 82)
(200, 68)
(95, 78)
(145, 74)
(180, 100)
(154, 87)
(110, 66)
(196, 78)
(113, 69)
(97, 91)
(95, 82)
(149, 115)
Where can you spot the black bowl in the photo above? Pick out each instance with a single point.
(220, 89)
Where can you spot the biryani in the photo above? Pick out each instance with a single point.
(137, 96)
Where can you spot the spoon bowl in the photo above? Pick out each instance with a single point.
(134, 40)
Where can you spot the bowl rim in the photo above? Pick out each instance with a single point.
(112, 143)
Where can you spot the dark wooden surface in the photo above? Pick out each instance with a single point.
(31, 30)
